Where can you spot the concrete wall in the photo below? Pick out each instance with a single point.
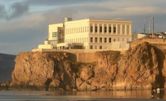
(53, 28)
(77, 32)
(158, 42)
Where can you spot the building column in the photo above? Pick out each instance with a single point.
(112, 29)
(120, 29)
(103, 28)
(98, 28)
(125, 30)
(130, 30)
(116, 26)
(107, 25)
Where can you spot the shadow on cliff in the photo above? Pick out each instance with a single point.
(159, 80)
(63, 72)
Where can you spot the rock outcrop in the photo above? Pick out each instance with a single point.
(44, 70)
(141, 67)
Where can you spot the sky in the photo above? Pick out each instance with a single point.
(24, 23)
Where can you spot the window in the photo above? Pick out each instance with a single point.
(95, 39)
(105, 40)
(114, 40)
(127, 29)
(123, 29)
(101, 40)
(91, 28)
(100, 47)
(54, 34)
(100, 29)
(114, 30)
(105, 29)
(110, 30)
(96, 29)
(91, 39)
(109, 40)
(91, 47)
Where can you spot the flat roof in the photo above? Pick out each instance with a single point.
(95, 19)
(103, 20)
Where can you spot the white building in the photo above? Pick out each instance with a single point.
(93, 34)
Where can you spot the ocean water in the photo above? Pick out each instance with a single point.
(79, 96)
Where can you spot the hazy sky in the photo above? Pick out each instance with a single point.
(23, 23)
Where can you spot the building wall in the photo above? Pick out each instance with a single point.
(95, 34)
(158, 42)
(110, 34)
(99, 34)
(46, 45)
(52, 28)
(77, 32)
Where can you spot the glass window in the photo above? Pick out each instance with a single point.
(95, 39)
(105, 29)
(110, 30)
(100, 47)
(101, 40)
(105, 40)
(91, 28)
(96, 29)
(114, 30)
(91, 39)
(127, 29)
(109, 40)
(54, 34)
(91, 47)
(123, 29)
(100, 29)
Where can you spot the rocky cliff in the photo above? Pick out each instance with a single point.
(139, 68)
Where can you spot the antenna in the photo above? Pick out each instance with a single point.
(144, 28)
(153, 26)
(149, 27)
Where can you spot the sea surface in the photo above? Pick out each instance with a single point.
(80, 96)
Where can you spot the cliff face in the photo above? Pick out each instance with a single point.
(139, 68)
(44, 70)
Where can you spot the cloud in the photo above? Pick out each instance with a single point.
(2, 11)
(18, 9)
(60, 2)
(15, 10)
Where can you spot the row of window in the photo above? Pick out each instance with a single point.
(54, 34)
(115, 29)
(77, 30)
(95, 47)
(77, 40)
(110, 29)
(107, 40)
(101, 40)
(101, 29)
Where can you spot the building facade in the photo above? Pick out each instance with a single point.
(93, 34)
